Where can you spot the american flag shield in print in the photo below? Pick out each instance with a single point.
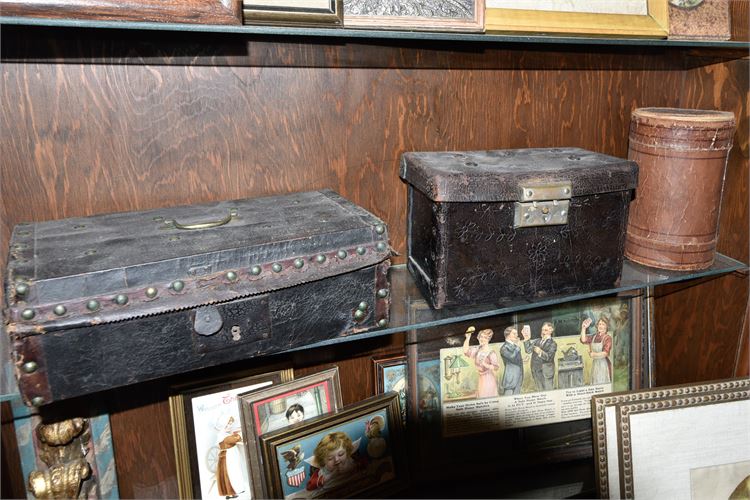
(295, 477)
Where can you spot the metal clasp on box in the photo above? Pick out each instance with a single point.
(543, 205)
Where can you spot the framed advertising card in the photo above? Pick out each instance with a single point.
(280, 406)
(356, 452)
(432, 15)
(631, 429)
(527, 378)
(209, 442)
(624, 18)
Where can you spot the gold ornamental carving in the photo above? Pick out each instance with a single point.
(59, 481)
(62, 447)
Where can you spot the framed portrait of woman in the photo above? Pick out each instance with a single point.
(208, 437)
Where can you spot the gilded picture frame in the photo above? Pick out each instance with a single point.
(298, 461)
(310, 13)
(615, 429)
(192, 405)
(415, 15)
(514, 16)
(278, 407)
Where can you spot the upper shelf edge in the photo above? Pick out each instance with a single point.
(367, 34)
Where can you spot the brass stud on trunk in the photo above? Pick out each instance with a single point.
(22, 289)
(320, 258)
(37, 401)
(59, 309)
(380, 246)
(151, 292)
(178, 285)
(380, 229)
(29, 367)
(28, 314)
(92, 305)
(255, 270)
(231, 276)
(299, 263)
(359, 315)
(383, 322)
(361, 250)
(383, 293)
(121, 299)
(341, 254)
(276, 267)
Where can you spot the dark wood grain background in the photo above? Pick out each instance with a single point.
(103, 121)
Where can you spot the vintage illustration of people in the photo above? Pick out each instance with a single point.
(532, 357)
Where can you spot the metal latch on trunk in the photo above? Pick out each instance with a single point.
(543, 205)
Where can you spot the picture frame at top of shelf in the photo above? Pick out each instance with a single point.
(599, 18)
(309, 13)
(204, 415)
(416, 15)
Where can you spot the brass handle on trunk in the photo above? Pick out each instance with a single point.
(203, 225)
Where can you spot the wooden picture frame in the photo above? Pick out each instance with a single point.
(211, 399)
(318, 394)
(323, 13)
(514, 16)
(369, 434)
(419, 15)
(223, 12)
(390, 375)
(619, 431)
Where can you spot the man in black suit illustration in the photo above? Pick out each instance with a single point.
(542, 352)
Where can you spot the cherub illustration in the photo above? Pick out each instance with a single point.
(293, 457)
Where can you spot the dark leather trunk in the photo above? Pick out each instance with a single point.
(464, 239)
(683, 155)
(280, 273)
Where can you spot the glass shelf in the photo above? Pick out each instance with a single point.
(288, 31)
(404, 295)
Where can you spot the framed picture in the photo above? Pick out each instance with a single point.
(390, 375)
(208, 437)
(427, 15)
(699, 20)
(293, 12)
(525, 378)
(624, 18)
(281, 406)
(634, 430)
(355, 452)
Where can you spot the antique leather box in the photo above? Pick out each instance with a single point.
(110, 300)
(486, 226)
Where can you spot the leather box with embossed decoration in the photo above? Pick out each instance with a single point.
(112, 300)
(487, 226)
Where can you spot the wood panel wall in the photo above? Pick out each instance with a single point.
(95, 123)
(699, 325)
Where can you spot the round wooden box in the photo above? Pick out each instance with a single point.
(682, 155)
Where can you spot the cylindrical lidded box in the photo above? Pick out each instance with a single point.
(682, 155)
